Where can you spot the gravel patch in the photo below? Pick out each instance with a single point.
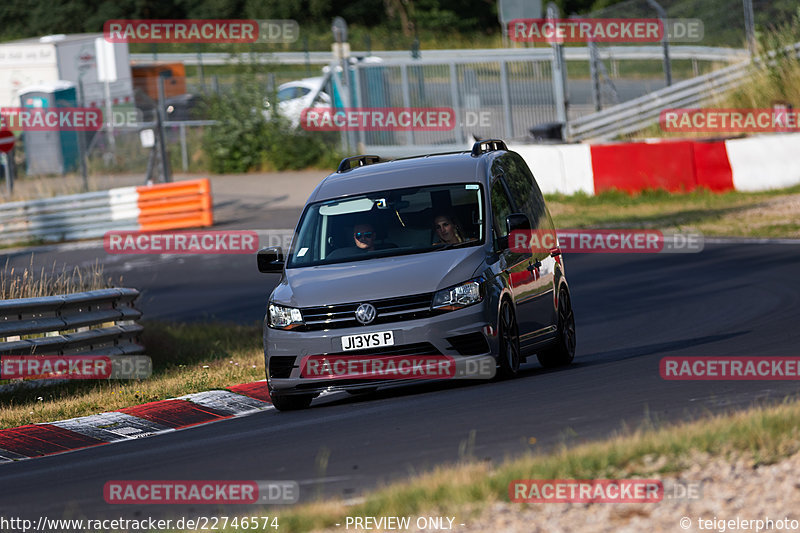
(724, 490)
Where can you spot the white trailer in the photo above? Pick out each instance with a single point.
(72, 58)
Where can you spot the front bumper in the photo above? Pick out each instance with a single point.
(430, 335)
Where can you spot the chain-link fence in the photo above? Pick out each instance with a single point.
(128, 141)
(616, 81)
(488, 98)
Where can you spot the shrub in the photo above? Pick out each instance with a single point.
(246, 138)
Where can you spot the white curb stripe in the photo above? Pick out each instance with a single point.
(226, 402)
(112, 427)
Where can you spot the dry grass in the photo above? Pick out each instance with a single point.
(767, 214)
(36, 187)
(776, 78)
(186, 359)
(762, 435)
(192, 358)
(29, 283)
(75, 399)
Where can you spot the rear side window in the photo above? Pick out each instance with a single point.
(535, 205)
(524, 189)
(501, 208)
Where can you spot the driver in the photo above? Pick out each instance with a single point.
(364, 236)
(447, 230)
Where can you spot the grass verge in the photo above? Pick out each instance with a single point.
(186, 358)
(196, 357)
(28, 283)
(762, 435)
(733, 214)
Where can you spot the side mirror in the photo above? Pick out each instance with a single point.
(270, 260)
(514, 222)
(517, 222)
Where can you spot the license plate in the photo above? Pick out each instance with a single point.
(367, 340)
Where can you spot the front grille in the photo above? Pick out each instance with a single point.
(388, 310)
(469, 344)
(280, 366)
(419, 348)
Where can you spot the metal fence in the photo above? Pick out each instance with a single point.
(101, 322)
(644, 111)
(500, 97)
(639, 113)
(494, 93)
(724, 25)
(504, 96)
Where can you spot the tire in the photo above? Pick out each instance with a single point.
(293, 402)
(509, 357)
(563, 351)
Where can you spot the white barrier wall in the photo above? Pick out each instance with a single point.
(559, 168)
(765, 161)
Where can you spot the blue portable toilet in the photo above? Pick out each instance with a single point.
(50, 152)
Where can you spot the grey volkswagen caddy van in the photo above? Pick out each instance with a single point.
(411, 257)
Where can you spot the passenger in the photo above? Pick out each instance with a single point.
(447, 230)
(364, 237)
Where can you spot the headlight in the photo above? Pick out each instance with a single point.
(284, 317)
(458, 297)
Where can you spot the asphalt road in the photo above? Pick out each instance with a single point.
(632, 310)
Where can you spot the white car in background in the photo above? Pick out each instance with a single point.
(294, 96)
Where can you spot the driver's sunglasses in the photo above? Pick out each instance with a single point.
(364, 234)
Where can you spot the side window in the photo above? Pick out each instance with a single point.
(501, 208)
(519, 185)
(525, 190)
(540, 217)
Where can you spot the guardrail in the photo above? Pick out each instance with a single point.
(100, 322)
(702, 53)
(183, 204)
(644, 111)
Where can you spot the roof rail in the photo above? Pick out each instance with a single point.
(362, 160)
(487, 145)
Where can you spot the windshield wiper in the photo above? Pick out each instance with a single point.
(450, 245)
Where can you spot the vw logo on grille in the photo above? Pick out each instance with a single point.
(365, 313)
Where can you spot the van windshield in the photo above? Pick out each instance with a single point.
(388, 223)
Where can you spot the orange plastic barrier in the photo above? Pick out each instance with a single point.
(184, 204)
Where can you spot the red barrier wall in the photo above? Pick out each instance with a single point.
(711, 165)
(671, 165)
(633, 167)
